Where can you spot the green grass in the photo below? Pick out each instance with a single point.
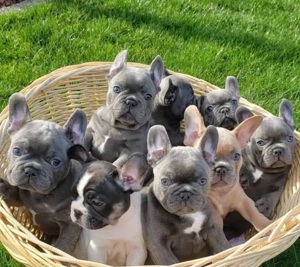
(257, 41)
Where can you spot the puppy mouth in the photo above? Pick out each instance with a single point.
(127, 118)
(228, 123)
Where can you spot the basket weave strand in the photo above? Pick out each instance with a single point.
(54, 97)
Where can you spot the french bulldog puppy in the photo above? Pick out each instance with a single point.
(40, 172)
(226, 193)
(175, 95)
(108, 208)
(176, 215)
(218, 107)
(120, 128)
(268, 157)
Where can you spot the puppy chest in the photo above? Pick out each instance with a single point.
(195, 222)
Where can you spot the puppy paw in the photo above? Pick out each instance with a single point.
(9, 193)
(265, 207)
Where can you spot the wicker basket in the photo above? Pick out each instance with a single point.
(54, 97)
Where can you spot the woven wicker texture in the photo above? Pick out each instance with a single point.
(54, 97)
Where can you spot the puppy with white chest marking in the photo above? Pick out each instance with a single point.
(119, 128)
(170, 103)
(218, 106)
(268, 158)
(226, 193)
(39, 171)
(109, 211)
(176, 215)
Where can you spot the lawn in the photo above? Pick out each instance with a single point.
(257, 41)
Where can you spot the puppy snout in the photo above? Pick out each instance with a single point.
(185, 195)
(31, 173)
(224, 110)
(221, 170)
(77, 214)
(131, 102)
(277, 152)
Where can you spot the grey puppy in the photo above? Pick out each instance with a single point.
(40, 172)
(176, 215)
(120, 128)
(175, 96)
(267, 158)
(218, 106)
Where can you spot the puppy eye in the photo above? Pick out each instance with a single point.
(260, 142)
(116, 89)
(165, 181)
(96, 202)
(289, 138)
(148, 97)
(236, 156)
(202, 181)
(55, 162)
(234, 102)
(209, 109)
(17, 151)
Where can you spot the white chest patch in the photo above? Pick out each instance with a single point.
(101, 147)
(257, 175)
(198, 219)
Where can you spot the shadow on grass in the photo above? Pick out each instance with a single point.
(189, 28)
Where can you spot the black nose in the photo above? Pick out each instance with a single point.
(30, 172)
(185, 195)
(131, 102)
(277, 152)
(77, 214)
(221, 170)
(224, 110)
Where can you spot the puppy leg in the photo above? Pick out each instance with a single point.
(248, 210)
(10, 194)
(97, 254)
(136, 256)
(267, 204)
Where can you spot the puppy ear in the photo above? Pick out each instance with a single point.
(244, 130)
(286, 113)
(166, 73)
(18, 112)
(79, 153)
(133, 172)
(156, 71)
(209, 144)
(194, 125)
(118, 64)
(158, 143)
(171, 94)
(242, 113)
(232, 86)
(75, 126)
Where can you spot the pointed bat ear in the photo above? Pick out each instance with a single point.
(75, 126)
(286, 113)
(209, 143)
(194, 126)
(133, 172)
(79, 153)
(232, 86)
(242, 113)
(158, 143)
(119, 63)
(156, 71)
(245, 129)
(18, 112)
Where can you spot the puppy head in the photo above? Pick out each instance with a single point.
(228, 160)
(218, 107)
(181, 173)
(272, 144)
(102, 194)
(132, 91)
(176, 93)
(37, 157)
